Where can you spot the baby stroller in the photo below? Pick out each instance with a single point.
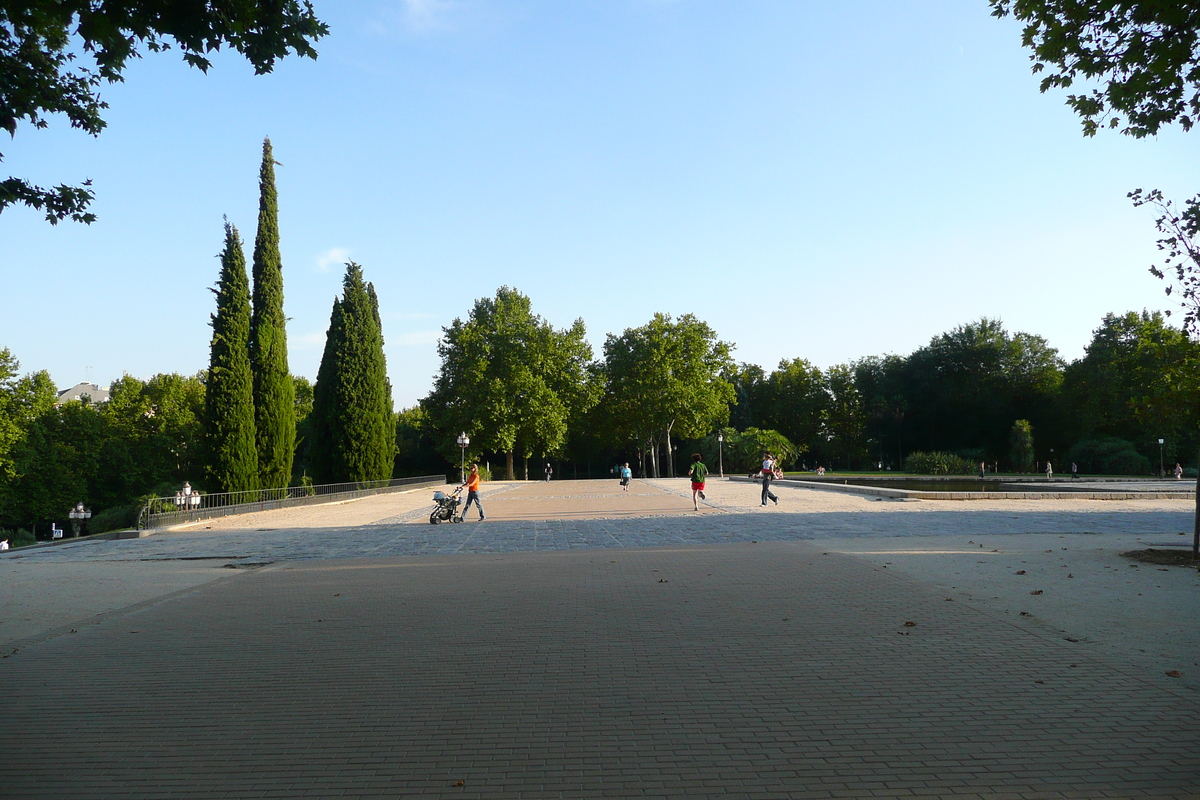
(446, 507)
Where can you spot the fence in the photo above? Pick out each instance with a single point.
(161, 512)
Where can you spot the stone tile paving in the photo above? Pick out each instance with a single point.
(736, 670)
(411, 534)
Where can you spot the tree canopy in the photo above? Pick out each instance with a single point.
(354, 434)
(510, 380)
(56, 54)
(667, 377)
(1145, 53)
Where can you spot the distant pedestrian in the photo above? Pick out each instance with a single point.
(626, 476)
(3, 544)
(472, 484)
(768, 472)
(1074, 471)
(549, 471)
(1049, 471)
(1178, 471)
(697, 473)
(982, 470)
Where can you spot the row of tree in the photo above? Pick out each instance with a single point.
(250, 407)
(518, 387)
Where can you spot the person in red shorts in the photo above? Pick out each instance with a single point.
(697, 473)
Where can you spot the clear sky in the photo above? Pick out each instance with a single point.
(817, 180)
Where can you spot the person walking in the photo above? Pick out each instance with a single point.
(1074, 471)
(1178, 471)
(1049, 471)
(626, 476)
(697, 473)
(768, 472)
(472, 484)
(549, 471)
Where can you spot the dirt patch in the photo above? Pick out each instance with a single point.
(1169, 558)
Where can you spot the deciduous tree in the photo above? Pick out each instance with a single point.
(510, 380)
(56, 54)
(667, 378)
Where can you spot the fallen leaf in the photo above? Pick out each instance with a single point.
(660, 580)
(459, 783)
(910, 624)
(1173, 673)
(1026, 614)
(949, 599)
(1036, 591)
(1039, 681)
(1071, 639)
(1069, 575)
(1020, 572)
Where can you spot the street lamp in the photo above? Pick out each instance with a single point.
(720, 454)
(1161, 472)
(463, 441)
(78, 515)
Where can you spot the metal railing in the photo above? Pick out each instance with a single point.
(161, 512)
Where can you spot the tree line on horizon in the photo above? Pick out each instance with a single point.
(522, 389)
(975, 394)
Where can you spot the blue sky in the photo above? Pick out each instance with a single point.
(816, 180)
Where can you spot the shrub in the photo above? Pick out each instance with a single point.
(1109, 456)
(18, 538)
(938, 464)
(114, 519)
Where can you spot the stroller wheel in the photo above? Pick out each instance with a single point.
(456, 519)
(435, 518)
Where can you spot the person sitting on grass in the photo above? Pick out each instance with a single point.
(698, 473)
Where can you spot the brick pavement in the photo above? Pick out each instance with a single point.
(672, 655)
(752, 670)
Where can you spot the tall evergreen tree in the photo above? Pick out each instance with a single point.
(231, 455)
(274, 393)
(353, 430)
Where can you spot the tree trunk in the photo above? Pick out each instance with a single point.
(670, 452)
(653, 458)
(1196, 531)
(508, 462)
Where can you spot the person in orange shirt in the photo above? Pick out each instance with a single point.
(472, 485)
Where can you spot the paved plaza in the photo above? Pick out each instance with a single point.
(586, 642)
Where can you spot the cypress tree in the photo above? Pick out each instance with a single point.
(274, 392)
(353, 434)
(231, 454)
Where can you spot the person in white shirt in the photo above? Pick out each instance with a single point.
(768, 472)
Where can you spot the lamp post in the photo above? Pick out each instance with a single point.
(78, 515)
(720, 454)
(463, 441)
(1161, 472)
